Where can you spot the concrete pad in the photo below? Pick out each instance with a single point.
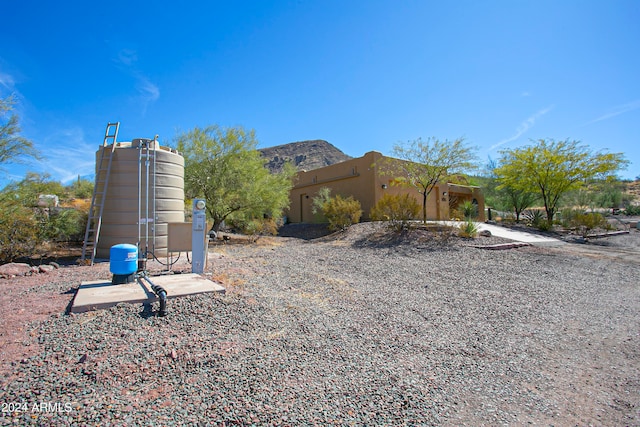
(520, 236)
(179, 285)
(100, 294)
(515, 235)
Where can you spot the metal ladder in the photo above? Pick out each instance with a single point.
(147, 174)
(94, 221)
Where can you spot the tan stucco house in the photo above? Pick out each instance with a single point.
(361, 179)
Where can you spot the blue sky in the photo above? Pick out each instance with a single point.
(362, 75)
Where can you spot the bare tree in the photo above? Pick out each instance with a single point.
(422, 164)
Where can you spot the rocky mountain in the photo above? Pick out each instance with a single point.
(633, 187)
(305, 155)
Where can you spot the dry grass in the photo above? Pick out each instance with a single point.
(232, 285)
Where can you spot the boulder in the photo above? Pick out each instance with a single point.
(15, 269)
(46, 268)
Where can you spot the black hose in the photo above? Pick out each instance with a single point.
(166, 264)
(162, 295)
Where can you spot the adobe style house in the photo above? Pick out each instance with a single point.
(361, 179)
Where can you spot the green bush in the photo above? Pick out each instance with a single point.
(397, 209)
(632, 210)
(339, 211)
(565, 217)
(65, 225)
(544, 226)
(468, 210)
(342, 212)
(585, 222)
(257, 228)
(80, 189)
(24, 229)
(536, 218)
(468, 228)
(19, 232)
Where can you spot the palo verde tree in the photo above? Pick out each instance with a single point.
(223, 166)
(504, 196)
(13, 147)
(422, 164)
(553, 168)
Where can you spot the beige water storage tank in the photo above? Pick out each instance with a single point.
(121, 220)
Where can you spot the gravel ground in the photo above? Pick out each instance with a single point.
(351, 329)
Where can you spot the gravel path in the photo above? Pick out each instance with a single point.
(354, 329)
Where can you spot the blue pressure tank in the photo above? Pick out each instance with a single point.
(123, 263)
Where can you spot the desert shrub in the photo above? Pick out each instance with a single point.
(632, 210)
(609, 198)
(585, 222)
(565, 217)
(468, 210)
(544, 226)
(339, 211)
(80, 189)
(65, 225)
(257, 228)
(397, 209)
(342, 212)
(468, 228)
(535, 218)
(19, 232)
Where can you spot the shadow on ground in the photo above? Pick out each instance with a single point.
(304, 231)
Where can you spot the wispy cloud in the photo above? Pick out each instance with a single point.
(127, 57)
(7, 81)
(148, 92)
(8, 88)
(618, 110)
(523, 127)
(68, 155)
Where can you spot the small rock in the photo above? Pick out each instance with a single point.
(83, 358)
(54, 265)
(173, 354)
(485, 233)
(46, 268)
